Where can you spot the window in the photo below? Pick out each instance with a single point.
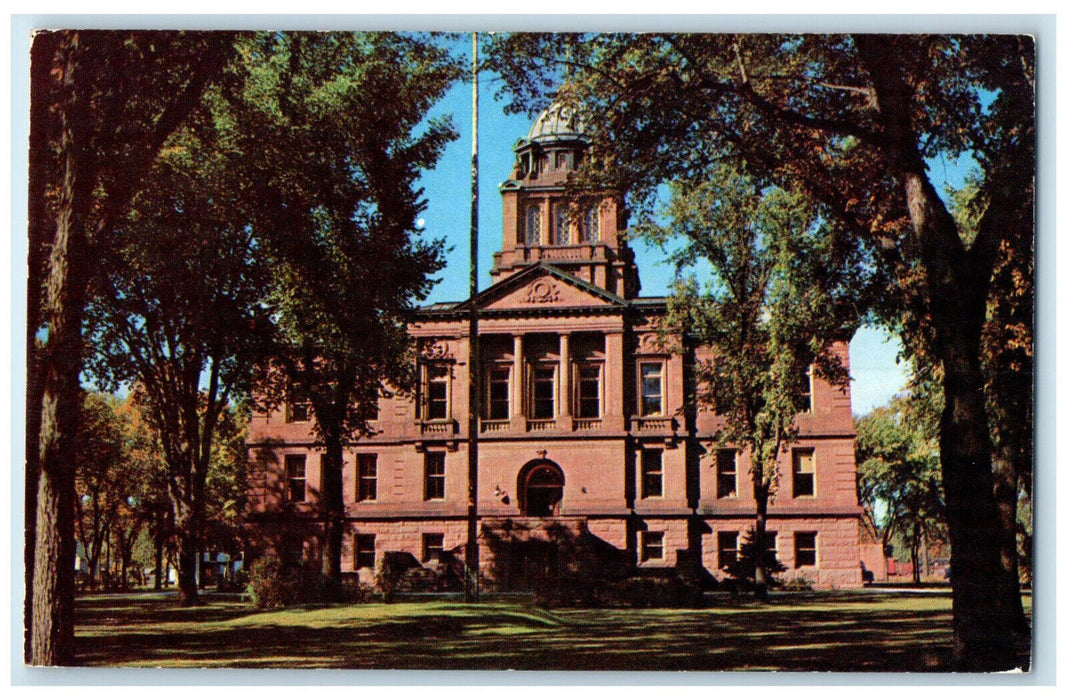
(434, 489)
(591, 226)
(436, 400)
(561, 225)
(804, 549)
(803, 472)
(804, 401)
(726, 474)
(770, 546)
(295, 478)
(367, 468)
(651, 473)
(533, 226)
(498, 392)
(651, 546)
(651, 388)
(727, 549)
(587, 389)
(433, 546)
(298, 406)
(364, 551)
(294, 551)
(543, 392)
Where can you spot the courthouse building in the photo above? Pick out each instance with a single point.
(584, 425)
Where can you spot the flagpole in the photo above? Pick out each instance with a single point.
(474, 360)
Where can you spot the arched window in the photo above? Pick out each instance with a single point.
(591, 225)
(542, 490)
(561, 225)
(533, 226)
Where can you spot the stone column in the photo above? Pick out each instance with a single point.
(564, 410)
(518, 415)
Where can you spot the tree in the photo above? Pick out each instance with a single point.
(775, 304)
(145, 457)
(103, 103)
(852, 121)
(334, 132)
(750, 561)
(1007, 356)
(226, 488)
(898, 474)
(101, 481)
(175, 315)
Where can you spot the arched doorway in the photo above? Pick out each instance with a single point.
(540, 489)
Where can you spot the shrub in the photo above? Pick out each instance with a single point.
(663, 590)
(271, 584)
(800, 582)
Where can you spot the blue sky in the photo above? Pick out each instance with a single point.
(876, 374)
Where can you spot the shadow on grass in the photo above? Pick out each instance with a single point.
(819, 633)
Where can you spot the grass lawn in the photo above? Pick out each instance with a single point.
(855, 631)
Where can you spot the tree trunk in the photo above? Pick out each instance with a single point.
(926, 555)
(762, 493)
(1006, 494)
(915, 554)
(159, 551)
(52, 632)
(332, 500)
(41, 226)
(188, 594)
(885, 553)
(981, 595)
(186, 527)
(957, 280)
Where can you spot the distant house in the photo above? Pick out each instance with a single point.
(583, 423)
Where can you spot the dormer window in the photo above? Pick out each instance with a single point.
(533, 226)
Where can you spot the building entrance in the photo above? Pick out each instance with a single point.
(541, 490)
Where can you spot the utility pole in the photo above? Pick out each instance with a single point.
(474, 359)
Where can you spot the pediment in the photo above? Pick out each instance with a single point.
(544, 287)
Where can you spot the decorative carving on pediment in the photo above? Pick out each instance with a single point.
(542, 291)
(649, 343)
(434, 349)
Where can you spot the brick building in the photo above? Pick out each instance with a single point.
(583, 421)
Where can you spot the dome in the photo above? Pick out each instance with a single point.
(559, 122)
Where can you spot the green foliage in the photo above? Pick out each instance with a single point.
(276, 229)
(333, 128)
(852, 122)
(898, 473)
(799, 582)
(101, 481)
(271, 584)
(333, 140)
(779, 292)
(744, 569)
(226, 487)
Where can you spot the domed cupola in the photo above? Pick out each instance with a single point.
(559, 122)
(549, 218)
(554, 146)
